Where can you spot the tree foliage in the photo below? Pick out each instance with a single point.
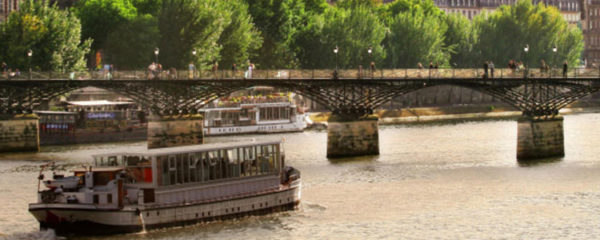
(52, 34)
(240, 39)
(131, 45)
(504, 33)
(459, 40)
(101, 17)
(188, 25)
(352, 30)
(414, 36)
(278, 22)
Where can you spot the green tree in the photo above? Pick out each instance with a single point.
(460, 39)
(131, 44)
(504, 33)
(151, 7)
(278, 21)
(353, 31)
(100, 17)
(316, 6)
(415, 37)
(52, 34)
(188, 25)
(240, 39)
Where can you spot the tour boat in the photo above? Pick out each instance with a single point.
(132, 192)
(252, 115)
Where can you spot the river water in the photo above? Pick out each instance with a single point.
(434, 181)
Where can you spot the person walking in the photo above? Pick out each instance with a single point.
(565, 69)
(492, 69)
(485, 69)
(250, 69)
(360, 71)
(191, 70)
(372, 69)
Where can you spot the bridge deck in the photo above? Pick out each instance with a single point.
(317, 74)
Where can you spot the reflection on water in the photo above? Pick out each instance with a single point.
(446, 181)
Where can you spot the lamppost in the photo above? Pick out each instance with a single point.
(29, 54)
(156, 52)
(193, 67)
(554, 50)
(371, 64)
(526, 49)
(335, 50)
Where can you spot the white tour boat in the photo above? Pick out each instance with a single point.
(131, 192)
(252, 116)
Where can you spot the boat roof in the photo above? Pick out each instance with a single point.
(97, 103)
(55, 112)
(193, 148)
(100, 169)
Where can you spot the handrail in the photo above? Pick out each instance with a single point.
(309, 74)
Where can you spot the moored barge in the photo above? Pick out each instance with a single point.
(131, 192)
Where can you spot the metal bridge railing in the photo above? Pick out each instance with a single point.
(307, 74)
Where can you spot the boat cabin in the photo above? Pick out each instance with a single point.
(233, 164)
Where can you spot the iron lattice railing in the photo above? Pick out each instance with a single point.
(315, 74)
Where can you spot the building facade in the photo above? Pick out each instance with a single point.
(591, 32)
(7, 6)
(570, 9)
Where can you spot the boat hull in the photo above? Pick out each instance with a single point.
(65, 219)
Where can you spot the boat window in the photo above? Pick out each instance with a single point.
(276, 157)
(213, 164)
(172, 170)
(165, 170)
(185, 167)
(233, 168)
(204, 174)
(249, 161)
(259, 159)
(192, 166)
(131, 160)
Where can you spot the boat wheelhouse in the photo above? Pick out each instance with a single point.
(129, 192)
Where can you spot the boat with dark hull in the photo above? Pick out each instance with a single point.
(132, 192)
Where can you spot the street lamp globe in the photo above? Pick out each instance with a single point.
(335, 50)
(194, 52)
(526, 48)
(554, 49)
(29, 53)
(156, 51)
(370, 50)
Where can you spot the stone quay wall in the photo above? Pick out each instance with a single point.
(19, 133)
(352, 138)
(170, 132)
(540, 138)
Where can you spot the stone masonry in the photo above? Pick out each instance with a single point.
(19, 133)
(169, 132)
(540, 138)
(352, 138)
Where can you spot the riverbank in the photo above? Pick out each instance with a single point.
(453, 113)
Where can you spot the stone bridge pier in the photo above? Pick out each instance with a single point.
(540, 137)
(19, 133)
(352, 136)
(170, 131)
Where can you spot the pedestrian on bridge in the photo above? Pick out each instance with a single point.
(492, 69)
(372, 69)
(485, 69)
(565, 68)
